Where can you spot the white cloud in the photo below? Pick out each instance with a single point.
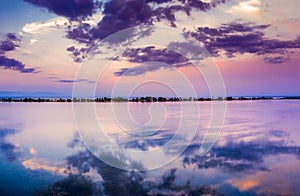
(42, 164)
(246, 7)
(39, 27)
(32, 41)
(32, 151)
(57, 168)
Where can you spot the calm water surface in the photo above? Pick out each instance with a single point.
(257, 153)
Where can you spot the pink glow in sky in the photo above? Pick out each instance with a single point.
(254, 43)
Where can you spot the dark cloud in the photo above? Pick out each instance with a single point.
(116, 181)
(152, 53)
(7, 45)
(72, 185)
(235, 39)
(142, 69)
(81, 33)
(12, 36)
(13, 64)
(122, 14)
(10, 44)
(177, 54)
(72, 9)
(118, 15)
(160, 138)
(4, 132)
(77, 54)
(238, 157)
(73, 81)
(10, 151)
(276, 60)
(154, 59)
(279, 133)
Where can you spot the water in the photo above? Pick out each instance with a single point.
(257, 152)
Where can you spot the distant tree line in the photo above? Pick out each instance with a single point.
(140, 99)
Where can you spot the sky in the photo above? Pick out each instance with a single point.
(48, 47)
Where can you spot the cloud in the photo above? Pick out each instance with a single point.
(158, 139)
(240, 38)
(133, 182)
(117, 15)
(10, 151)
(13, 64)
(238, 157)
(77, 54)
(244, 185)
(74, 81)
(7, 45)
(153, 59)
(68, 8)
(32, 41)
(153, 54)
(38, 27)
(246, 7)
(11, 43)
(42, 164)
(72, 185)
(12, 36)
(4, 132)
(122, 14)
(276, 60)
(33, 151)
(178, 54)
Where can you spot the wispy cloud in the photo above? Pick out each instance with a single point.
(39, 27)
(13, 64)
(74, 81)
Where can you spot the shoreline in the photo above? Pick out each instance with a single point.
(147, 99)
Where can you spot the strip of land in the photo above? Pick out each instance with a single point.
(142, 99)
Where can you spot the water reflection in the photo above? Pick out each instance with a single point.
(236, 159)
(10, 150)
(257, 153)
(115, 181)
(240, 157)
(159, 138)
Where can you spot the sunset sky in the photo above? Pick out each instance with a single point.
(254, 43)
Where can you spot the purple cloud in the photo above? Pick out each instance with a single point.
(73, 81)
(72, 9)
(153, 54)
(7, 45)
(12, 37)
(9, 63)
(276, 60)
(77, 54)
(234, 39)
(121, 14)
(140, 70)
(154, 58)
